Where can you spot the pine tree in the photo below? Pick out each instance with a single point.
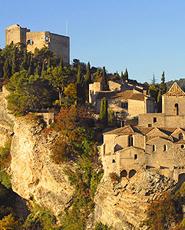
(6, 69)
(104, 111)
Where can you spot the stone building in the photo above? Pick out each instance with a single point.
(58, 44)
(157, 142)
(122, 98)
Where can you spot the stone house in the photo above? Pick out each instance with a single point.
(159, 145)
(122, 98)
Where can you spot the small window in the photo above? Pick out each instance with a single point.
(154, 119)
(30, 42)
(149, 125)
(153, 148)
(165, 148)
(130, 140)
(124, 105)
(113, 161)
(135, 156)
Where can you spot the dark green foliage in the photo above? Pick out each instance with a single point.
(4, 164)
(104, 111)
(88, 73)
(124, 75)
(159, 102)
(29, 93)
(100, 226)
(7, 70)
(79, 76)
(104, 81)
(40, 219)
(77, 145)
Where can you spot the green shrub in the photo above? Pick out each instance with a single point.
(40, 219)
(100, 226)
(5, 179)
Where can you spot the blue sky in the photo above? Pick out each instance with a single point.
(146, 36)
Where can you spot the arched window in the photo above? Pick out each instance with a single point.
(165, 148)
(123, 173)
(153, 148)
(130, 140)
(132, 173)
(177, 109)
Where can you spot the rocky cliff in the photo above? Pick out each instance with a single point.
(34, 176)
(123, 205)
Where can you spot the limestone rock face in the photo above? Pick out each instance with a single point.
(6, 119)
(34, 175)
(123, 206)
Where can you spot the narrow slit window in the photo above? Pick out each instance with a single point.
(165, 148)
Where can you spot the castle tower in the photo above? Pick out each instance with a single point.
(58, 44)
(173, 102)
(16, 34)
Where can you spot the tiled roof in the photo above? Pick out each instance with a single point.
(138, 97)
(123, 95)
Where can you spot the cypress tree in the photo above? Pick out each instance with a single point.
(162, 85)
(104, 81)
(125, 75)
(24, 64)
(15, 67)
(163, 77)
(78, 78)
(88, 73)
(104, 111)
(159, 102)
(31, 67)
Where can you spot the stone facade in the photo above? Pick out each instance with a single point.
(58, 44)
(157, 142)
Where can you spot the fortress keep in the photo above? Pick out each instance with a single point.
(58, 44)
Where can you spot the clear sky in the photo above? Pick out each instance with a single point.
(146, 36)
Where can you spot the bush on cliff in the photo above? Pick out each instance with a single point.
(163, 213)
(29, 93)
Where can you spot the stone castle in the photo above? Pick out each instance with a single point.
(58, 44)
(156, 142)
